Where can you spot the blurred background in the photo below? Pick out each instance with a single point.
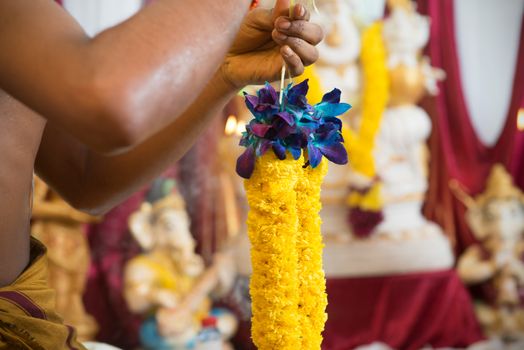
(424, 229)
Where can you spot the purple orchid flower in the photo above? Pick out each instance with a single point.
(294, 128)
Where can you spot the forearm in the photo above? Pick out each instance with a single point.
(129, 81)
(95, 182)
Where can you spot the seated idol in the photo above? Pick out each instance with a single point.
(169, 280)
(494, 266)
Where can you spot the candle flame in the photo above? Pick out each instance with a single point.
(520, 119)
(241, 127)
(231, 125)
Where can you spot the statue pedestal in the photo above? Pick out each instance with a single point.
(425, 249)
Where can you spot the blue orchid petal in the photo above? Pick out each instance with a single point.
(287, 117)
(280, 150)
(246, 163)
(285, 131)
(335, 153)
(332, 97)
(314, 155)
(244, 141)
(268, 95)
(335, 121)
(297, 91)
(251, 102)
(329, 137)
(296, 152)
(332, 110)
(262, 147)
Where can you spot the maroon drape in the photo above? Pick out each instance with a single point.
(456, 150)
(112, 246)
(406, 312)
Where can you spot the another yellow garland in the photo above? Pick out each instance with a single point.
(375, 97)
(288, 284)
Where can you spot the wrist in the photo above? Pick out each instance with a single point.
(223, 82)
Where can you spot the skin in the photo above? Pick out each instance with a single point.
(99, 117)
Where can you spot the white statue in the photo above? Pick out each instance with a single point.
(404, 241)
(337, 64)
(337, 67)
(401, 152)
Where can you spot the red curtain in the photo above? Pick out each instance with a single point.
(111, 247)
(406, 312)
(456, 150)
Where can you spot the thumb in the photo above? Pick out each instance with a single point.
(281, 9)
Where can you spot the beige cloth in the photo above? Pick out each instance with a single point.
(27, 319)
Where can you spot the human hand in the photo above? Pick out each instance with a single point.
(269, 38)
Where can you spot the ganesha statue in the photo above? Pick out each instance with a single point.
(169, 283)
(494, 266)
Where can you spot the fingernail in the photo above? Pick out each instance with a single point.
(301, 10)
(287, 51)
(281, 36)
(283, 24)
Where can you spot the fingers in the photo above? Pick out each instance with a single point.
(300, 13)
(306, 52)
(310, 32)
(281, 9)
(292, 60)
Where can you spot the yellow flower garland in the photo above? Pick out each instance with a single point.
(312, 282)
(375, 97)
(272, 228)
(288, 284)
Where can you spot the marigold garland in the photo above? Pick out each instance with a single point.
(312, 283)
(361, 143)
(272, 229)
(287, 148)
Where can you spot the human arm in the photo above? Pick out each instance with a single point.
(95, 182)
(124, 85)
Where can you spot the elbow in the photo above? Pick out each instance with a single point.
(117, 124)
(88, 203)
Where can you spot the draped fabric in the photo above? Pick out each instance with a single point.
(111, 247)
(199, 185)
(456, 151)
(407, 312)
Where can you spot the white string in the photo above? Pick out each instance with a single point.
(310, 5)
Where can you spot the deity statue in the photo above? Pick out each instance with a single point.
(495, 265)
(169, 281)
(337, 65)
(389, 180)
(61, 229)
(401, 154)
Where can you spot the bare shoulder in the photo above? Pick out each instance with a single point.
(20, 133)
